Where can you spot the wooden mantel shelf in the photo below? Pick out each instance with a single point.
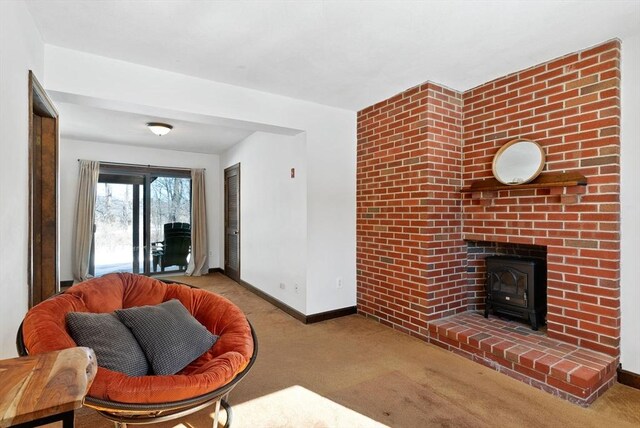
(543, 181)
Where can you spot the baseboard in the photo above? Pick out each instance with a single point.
(305, 319)
(628, 378)
(275, 302)
(214, 270)
(336, 313)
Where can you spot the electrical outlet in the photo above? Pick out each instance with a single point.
(338, 282)
(211, 253)
(297, 288)
(282, 286)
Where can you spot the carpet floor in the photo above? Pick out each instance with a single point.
(353, 372)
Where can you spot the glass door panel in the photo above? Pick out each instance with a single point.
(117, 225)
(170, 223)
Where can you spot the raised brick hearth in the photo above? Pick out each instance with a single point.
(418, 236)
(577, 374)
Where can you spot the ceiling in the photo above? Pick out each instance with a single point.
(117, 122)
(348, 53)
(81, 122)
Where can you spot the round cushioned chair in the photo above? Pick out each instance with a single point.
(147, 399)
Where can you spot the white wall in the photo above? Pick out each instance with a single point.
(630, 204)
(21, 49)
(330, 149)
(273, 224)
(331, 221)
(72, 150)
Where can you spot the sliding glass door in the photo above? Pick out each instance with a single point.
(143, 220)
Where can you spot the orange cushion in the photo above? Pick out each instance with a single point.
(44, 330)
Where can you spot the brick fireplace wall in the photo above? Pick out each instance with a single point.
(418, 148)
(571, 107)
(410, 250)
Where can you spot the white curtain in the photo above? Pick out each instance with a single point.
(85, 218)
(198, 263)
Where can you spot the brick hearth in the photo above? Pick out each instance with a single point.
(577, 374)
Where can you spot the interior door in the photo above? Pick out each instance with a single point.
(232, 222)
(43, 195)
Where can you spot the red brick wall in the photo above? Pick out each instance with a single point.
(415, 151)
(571, 107)
(409, 245)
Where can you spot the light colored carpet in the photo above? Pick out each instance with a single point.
(353, 372)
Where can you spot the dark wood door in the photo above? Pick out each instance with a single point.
(43, 200)
(232, 222)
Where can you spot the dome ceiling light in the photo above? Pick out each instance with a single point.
(159, 129)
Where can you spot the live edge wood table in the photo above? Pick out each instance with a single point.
(41, 389)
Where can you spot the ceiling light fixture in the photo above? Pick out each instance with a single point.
(159, 129)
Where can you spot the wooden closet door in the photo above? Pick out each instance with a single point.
(232, 222)
(44, 223)
(43, 264)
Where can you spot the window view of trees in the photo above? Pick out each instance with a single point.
(114, 205)
(170, 202)
(114, 228)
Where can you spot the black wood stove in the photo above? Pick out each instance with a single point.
(517, 286)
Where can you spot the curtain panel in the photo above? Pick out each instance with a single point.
(199, 261)
(89, 171)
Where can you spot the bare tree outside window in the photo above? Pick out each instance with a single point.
(114, 227)
(170, 203)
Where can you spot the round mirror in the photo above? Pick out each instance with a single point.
(518, 162)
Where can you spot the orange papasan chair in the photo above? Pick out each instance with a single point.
(153, 398)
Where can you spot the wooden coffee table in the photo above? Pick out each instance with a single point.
(45, 388)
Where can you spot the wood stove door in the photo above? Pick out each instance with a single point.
(508, 286)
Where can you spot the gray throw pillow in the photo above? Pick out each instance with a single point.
(115, 347)
(168, 334)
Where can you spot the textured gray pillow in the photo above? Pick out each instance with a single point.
(168, 334)
(115, 347)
